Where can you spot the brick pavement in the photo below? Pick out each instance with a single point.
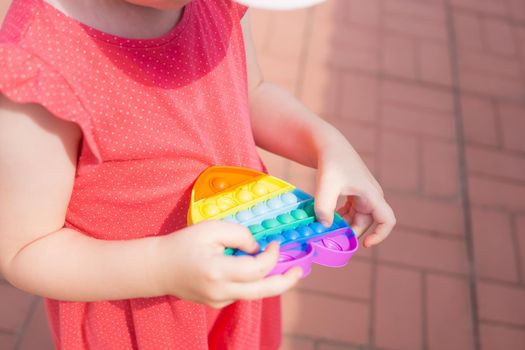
(432, 94)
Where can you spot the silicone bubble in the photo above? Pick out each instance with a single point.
(225, 203)
(220, 184)
(259, 189)
(260, 208)
(244, 215)
(289, 198)
(270, 223)
(243, 195)
(210, 209)
(285, 218)
(299, 214)
(275, 203)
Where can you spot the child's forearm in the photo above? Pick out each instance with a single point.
(282, 125)
(67, 265)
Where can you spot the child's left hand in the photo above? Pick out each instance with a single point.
(340, 171)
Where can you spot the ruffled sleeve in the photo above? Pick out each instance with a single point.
(24, 78)
(241, 9)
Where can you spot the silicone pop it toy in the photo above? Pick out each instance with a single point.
(273, 210)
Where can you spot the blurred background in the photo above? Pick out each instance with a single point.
(432, 95)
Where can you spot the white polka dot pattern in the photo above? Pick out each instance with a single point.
(154, 114)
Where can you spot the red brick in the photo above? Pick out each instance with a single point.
(399, 162)
(292, 343)
(312, 315)
(276, 165)
(355, 58)
(496, 7)
(359, 98)
(434, 63)
(490, 74)
(498, 194)
(37, 334)
(350, 47)
(501, 303)
(520, 38)
(416, 95)
(449, 314)
(517, 9)
(427, 214)
(520, 235)
(494, 86)
(398, 57)
(499, 337)
(512, 125)
(495, 163)
(320, 89)
(362, 137)
(286, 35)
(261, 29)
(440, 168)
(281, 72)
(489, 65)
(15, 305)
(493, 245)
(499, 36)
(468, 30)
(423, 251)
(349, 12)
(7, 341)
(479, 120)
(324, 346)
(434, 12)
(353, 280)
(398, 297)
(302, 177)
(416, 27)
(362, 12)
(349, 36)
(418, 121)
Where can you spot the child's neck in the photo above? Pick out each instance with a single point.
(119, 17)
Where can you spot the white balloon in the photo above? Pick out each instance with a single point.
(279, 4)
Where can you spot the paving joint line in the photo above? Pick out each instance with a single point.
(515, 241)
(21, 332)
(347, 298)
(460, 131)
(424, 312)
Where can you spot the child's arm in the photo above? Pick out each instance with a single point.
(282, 125)
(38, 155)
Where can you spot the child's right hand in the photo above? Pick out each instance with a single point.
(191, 265)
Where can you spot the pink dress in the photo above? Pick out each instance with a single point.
(154, 114)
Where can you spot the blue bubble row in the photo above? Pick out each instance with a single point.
(270, 208)
(299, 234)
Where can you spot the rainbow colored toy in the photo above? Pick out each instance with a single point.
(273, 210)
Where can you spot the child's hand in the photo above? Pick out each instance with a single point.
(342, 172)
(192, 265)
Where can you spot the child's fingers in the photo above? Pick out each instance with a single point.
(267, 287)
(346, 207)
(238, 237)
(248, 268)
(361, 223)
(384, 217)
(325, 199)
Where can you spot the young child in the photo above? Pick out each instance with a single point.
(109, 111)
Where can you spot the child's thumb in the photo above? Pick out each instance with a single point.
(237, 236)
(325, 200)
